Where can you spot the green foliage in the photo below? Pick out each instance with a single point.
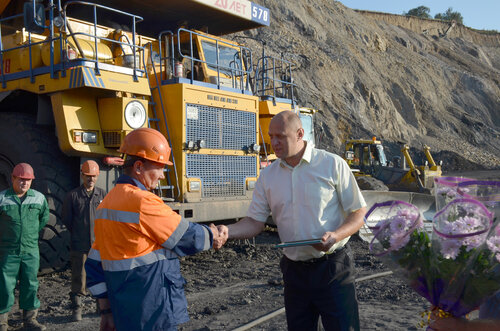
(450, 15)
(421, 12)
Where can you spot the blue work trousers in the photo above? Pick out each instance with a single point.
(321, 287)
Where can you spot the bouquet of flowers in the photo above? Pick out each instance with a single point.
(461, 258)
(488, 192)
(455, 270)
(446, 189)
(400, 241)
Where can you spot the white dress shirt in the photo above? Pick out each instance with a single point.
(306, 200)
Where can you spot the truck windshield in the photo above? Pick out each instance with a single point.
(229, 58)
(307, 124)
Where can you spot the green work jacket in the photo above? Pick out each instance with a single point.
(20, 223)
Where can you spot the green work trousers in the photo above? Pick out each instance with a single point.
(23, 267)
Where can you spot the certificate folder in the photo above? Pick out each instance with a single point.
(298, 243)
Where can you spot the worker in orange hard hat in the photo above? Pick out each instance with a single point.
(23, 214)
(79, 211)
(133, 266)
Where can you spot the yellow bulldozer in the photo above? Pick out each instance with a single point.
(366, 157)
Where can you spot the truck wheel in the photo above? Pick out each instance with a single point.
(21, 140)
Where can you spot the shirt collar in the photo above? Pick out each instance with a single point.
(306, 157)
(10, 191)
(307, 153)
(124, 179)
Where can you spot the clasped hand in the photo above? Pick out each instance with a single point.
(220, 234)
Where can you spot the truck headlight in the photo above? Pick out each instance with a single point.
(256, 148)
(89, 137)
(135, 114)
(194, 186)
(251, 184)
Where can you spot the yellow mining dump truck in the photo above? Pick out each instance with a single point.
(273, 83)
(76, 77)
(366, 157)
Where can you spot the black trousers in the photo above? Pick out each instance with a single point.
(321, 287)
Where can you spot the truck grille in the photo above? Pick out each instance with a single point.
(221, 128)
(221, 175)
(111, 138)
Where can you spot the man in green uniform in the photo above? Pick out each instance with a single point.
(23, 213)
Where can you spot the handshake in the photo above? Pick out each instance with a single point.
(220, 234)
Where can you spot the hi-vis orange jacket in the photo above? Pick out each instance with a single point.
(134, 259)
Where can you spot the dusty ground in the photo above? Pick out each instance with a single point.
(239, 283)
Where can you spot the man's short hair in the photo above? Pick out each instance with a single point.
(131, 159)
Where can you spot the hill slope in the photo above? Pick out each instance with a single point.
(393, 77)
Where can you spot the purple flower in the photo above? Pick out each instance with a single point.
(494, 244)
(398, 241)
(448, 227)
(398, 225)
(474, 241)
(450, 248)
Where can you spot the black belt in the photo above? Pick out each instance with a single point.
(325, 257)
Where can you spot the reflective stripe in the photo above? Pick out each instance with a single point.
(7, 201)
(206, 245)
(118, 215)
(94, 254)
(99, 288)
(129, 264)
(177, 235)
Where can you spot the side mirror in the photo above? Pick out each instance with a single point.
(34, 17)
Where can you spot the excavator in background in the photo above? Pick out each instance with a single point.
(366, 157)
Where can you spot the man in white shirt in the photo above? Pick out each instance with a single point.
(311, 194)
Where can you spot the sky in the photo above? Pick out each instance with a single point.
(477, 14)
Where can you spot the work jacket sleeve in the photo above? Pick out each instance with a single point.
(67, 211)
(44, 214)
(96, 283)
(170, 230)
(197, 238)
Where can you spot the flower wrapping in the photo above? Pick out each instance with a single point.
(458, 251)
(457, 269)
(400, 241)
(446, 189)
(487, 192)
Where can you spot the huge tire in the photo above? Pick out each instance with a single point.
(21, 140)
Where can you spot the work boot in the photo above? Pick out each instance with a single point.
(76, 305)
(30, 322)
(4, 318)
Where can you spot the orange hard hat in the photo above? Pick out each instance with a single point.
(90, 168)
(148, 144)
(24, 171)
